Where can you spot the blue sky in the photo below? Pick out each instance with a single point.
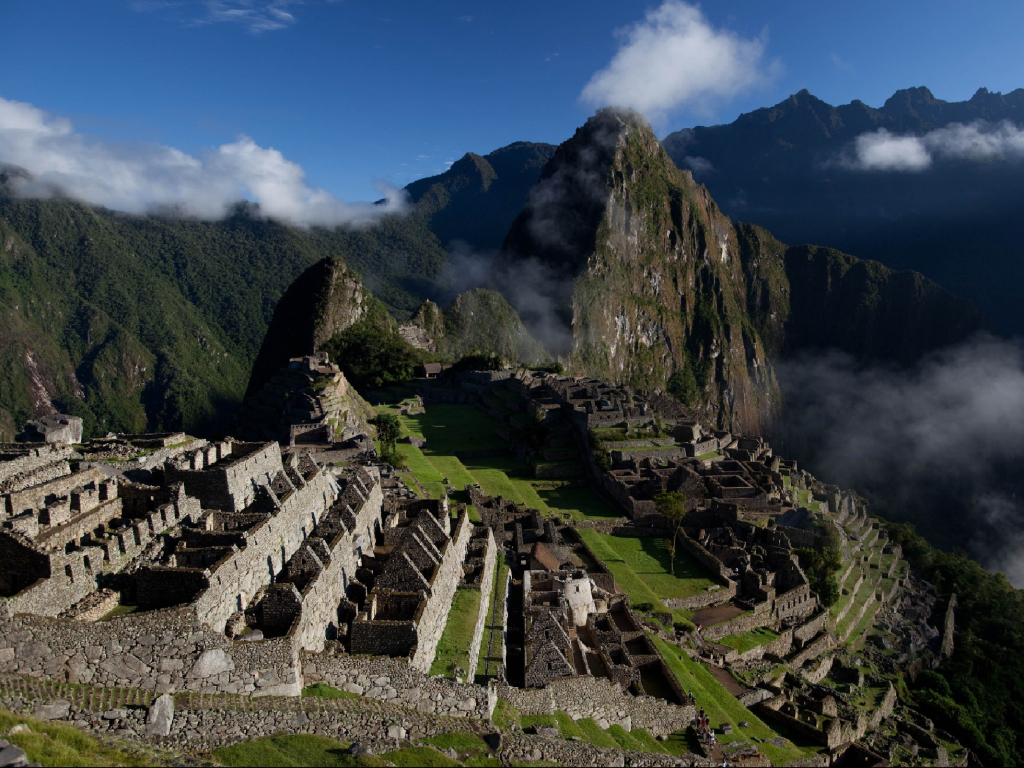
(363, 93)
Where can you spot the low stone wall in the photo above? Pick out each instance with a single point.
(600, 699)
(820, 672)
(486, 588)
(396, 681)
(809, 629)
(780, 646)
(825, 642)
(702, 599)
(748, 621)
(165, 651)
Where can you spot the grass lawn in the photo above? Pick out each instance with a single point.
(583, 502)
(299, 749)
(593, 733)
(413, 757)
(721, 706)
(488, 663)
(453, 647)
(745, 641)
(323, 691)
(449, 429)
(641, 568)
(51, 743)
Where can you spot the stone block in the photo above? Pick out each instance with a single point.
(12, 756)
(210, 663)
(396, 732)
(115, 714)
(55, 710)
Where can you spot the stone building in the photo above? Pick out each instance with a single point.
(412, 583)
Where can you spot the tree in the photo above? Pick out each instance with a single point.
(388, 431)
(672, 506)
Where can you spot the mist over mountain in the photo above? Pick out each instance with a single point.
(919, 183)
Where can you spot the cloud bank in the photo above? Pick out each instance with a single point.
(882, 150)
(675, 58)
(939, 445)
(141, 178)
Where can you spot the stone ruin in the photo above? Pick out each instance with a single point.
(56, 428)
(307, 403)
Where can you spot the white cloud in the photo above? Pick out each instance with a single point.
(141, 177)
(980, 141)
(255, 15)
(675, 58)
(884, 151)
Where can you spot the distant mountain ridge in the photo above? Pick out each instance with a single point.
(959, 222)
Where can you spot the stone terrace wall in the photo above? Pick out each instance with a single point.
(446, 580)
(269, 545)
(165, 651)
(397, 681)
(600, 699)
(486, 587)
(40, 463)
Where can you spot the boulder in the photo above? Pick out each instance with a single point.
(55, 710)
(210, 663)
(396, 732)
(160, 716)
(12, 756)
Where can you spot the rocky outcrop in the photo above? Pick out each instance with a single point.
(658, 289)
(323, 301)
(646, 272)
(479, 321)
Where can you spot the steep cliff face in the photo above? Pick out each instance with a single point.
(806, 297)
(323, 301)
(662, 291)
(649, 274)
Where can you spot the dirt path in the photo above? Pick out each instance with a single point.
(717, 614)
(730, 683)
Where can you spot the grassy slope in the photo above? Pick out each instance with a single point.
(721, 706)
(50, 743)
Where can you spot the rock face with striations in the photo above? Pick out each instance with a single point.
(323, 301)
(660, 289)
(646, 271)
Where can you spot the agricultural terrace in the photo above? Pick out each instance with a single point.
(463, 446)
(722, 707)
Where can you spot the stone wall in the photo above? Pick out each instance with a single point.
(600, 699)
(27, 465)
(325, 591)
(486, 587)
(34, 497)
(780, 646)
(269, 545)
(442, 592)
(231, 482)
(810, 628)
(397, 681)
(164, 650)
(702, 599)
